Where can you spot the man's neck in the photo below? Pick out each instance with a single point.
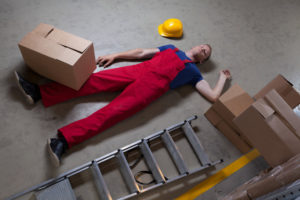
(190, 55)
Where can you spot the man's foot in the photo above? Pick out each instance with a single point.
(56, 148)
(30, 90)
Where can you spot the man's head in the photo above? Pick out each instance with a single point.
(201, 53)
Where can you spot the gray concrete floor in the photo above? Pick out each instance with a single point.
(255, 39)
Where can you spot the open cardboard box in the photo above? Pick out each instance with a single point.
(233, 102)
(58, 55)
(272, 127)
(268, 181)
(284, 88)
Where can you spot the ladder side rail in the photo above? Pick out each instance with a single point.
(106, 157)
(127, 196)
(171, 128)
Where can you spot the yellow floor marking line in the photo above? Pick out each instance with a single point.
(219, 176)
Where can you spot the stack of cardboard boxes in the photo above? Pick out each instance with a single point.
(221, 114)
(266, 122)
(272, 127)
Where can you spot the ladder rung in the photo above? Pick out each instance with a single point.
(59, 191)
(126, 173)
(175, 154)
(195, 143)
(151, 162)
(100, 183)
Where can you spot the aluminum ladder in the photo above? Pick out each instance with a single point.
(59, 188)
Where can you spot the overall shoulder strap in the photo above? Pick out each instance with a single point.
(185, 60)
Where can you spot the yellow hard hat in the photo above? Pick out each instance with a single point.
(171, 28)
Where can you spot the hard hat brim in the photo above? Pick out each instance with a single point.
(164, 34)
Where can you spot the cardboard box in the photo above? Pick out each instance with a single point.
(59, 56)
(268, 181)
(278, 177)
(272, 127)
(284, 88)
(233, 136)
(233, 102)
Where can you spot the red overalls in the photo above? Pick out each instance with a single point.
(141, 84)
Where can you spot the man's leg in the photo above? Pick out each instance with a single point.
(107, 80)
(133, 99)
(53, 93)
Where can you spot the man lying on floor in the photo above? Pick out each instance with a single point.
(166, 68)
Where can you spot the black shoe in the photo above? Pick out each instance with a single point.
(30, 90)
(56, 148)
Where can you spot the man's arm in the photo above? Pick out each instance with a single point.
(127, 55)
(213, 94)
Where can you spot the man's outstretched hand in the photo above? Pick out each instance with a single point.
(105, 61)
(226, 74)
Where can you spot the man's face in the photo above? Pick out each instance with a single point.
(202, 52)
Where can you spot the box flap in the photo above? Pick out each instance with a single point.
(236, 100)
(49, 48)
(40, 44)
(263, 108)
(43, 29)
(284, 110)
(68, 56)
(68, 40)
(280, 84)
(285, 135)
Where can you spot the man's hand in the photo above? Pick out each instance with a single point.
(226, 74)
(213, 94)
(105, 61)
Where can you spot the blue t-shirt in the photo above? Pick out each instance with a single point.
(189, 75)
